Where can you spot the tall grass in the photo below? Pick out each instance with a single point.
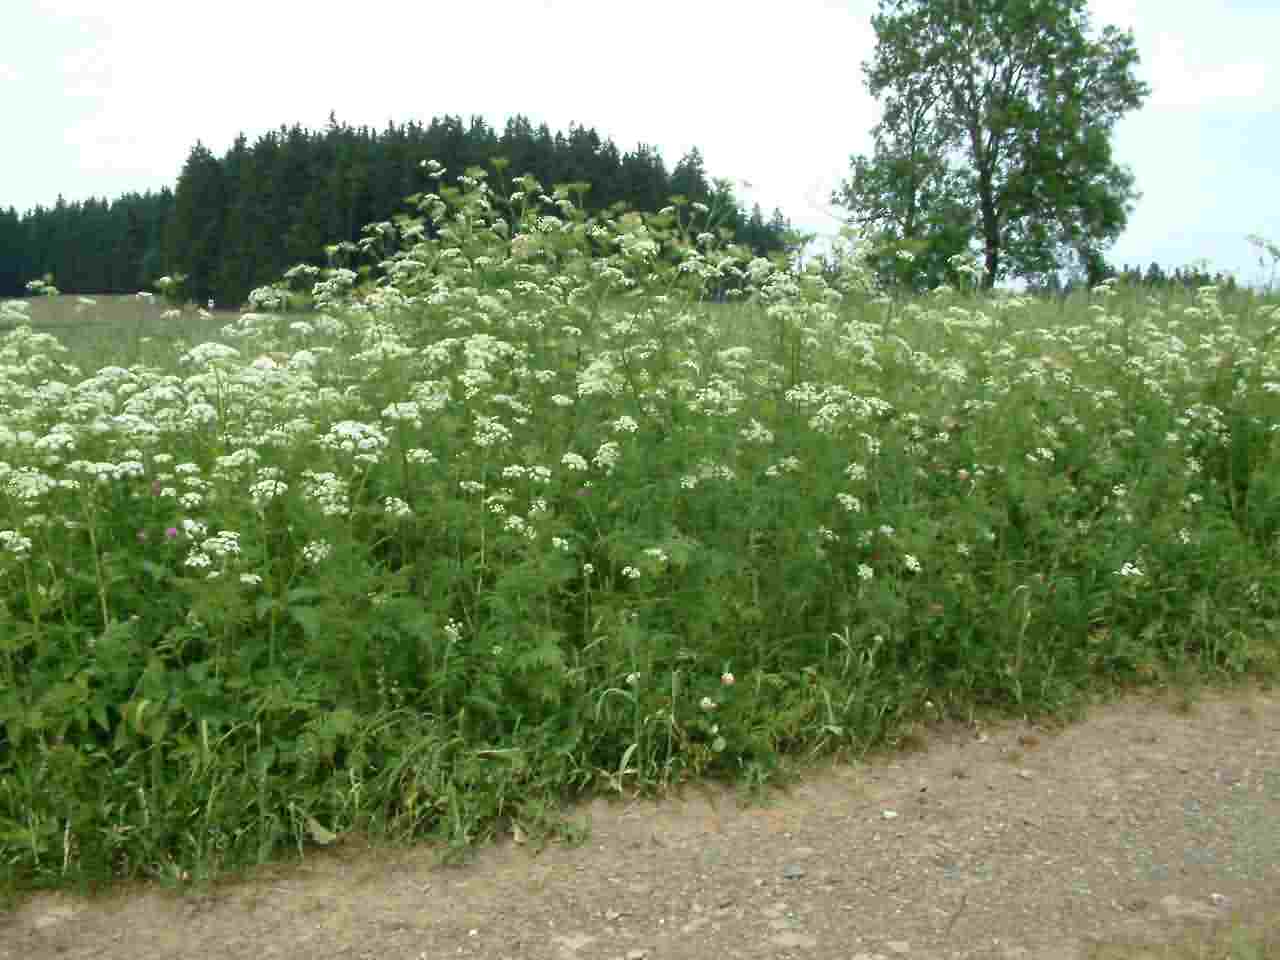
(518, 512)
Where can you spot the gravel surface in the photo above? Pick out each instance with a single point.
(1012, 842)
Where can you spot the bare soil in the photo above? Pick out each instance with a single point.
(1134, 826)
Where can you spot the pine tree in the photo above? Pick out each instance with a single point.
(194, 238)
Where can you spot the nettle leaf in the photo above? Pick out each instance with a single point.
(309, 619)
(264, 605)
(342, 722)
(301, 595)
(545, 655)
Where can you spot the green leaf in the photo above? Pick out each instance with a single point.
(308, 618)
(303, 595)
(319, 834)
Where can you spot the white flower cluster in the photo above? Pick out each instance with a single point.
(397, 508)
(535, 474)
(316, 552)
(103, 472)
(453, 630)
(756, 432)
(328, 491)
(222, 547)
(850, 503)
(268, 486)
(707, 471)
(207, 354)
(27, 484)
(363, 440)
(599, 379)
(15, 543)
(232, 465)
(607, 456)
(625, 424)
(783, 466)
(407, 413)
(490, 431)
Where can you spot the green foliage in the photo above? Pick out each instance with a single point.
(91, 246)
(996, 128)
(516, 511)
(236, 223)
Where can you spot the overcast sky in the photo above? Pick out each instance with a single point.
(98, 98)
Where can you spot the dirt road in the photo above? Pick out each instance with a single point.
(1010, 842)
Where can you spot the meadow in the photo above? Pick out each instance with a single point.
(519, 512)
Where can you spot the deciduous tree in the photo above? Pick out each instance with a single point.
(997, 125)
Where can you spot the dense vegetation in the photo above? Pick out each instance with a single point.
(515, 507)
(236, 222)
(520, 512)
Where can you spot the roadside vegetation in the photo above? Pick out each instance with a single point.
(519, 513)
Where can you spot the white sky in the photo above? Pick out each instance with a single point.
(98, 98)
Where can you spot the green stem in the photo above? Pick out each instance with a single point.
(33, 598)
(97, 562)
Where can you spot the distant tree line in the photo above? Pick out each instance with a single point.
(94, 246)
(239, 221)
(1087, 275)
(1157, 277)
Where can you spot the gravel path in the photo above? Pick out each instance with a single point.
(1011, 842)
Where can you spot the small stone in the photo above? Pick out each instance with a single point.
(1026, 775)
(792, 872)
(637, 954)
(889, 814)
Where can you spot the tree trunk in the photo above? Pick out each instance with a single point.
(990, 231)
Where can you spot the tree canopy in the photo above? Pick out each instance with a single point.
(239, 221)
(995, 133)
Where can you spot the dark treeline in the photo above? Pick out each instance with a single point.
(239, 221)
(1157, 277)
(94, 246)
(1154, 278)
